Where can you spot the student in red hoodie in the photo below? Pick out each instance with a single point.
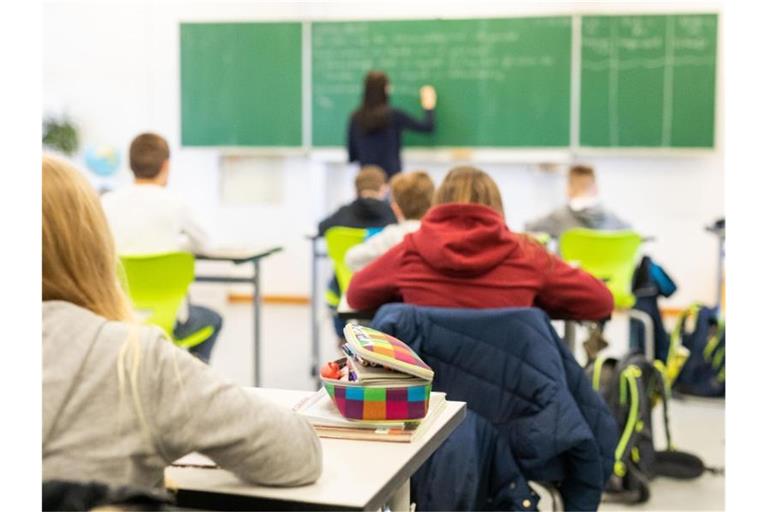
(465, 256)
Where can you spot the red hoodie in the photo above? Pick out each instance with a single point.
(464, 256)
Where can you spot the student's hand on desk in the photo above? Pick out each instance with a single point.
(428, 97)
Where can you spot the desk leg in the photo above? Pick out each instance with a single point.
(401, 500)
(315, 328)
(570, 335)
(256, 323)
(720, 257)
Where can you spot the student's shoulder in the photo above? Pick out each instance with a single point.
(78, 325)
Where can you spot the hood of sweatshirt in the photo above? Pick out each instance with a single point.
(593, 217)
(463, 240)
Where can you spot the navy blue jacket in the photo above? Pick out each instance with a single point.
(513, 370)
(382, 147)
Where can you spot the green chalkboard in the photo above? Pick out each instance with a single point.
(648, 81)
(240, 84)
(500, 82)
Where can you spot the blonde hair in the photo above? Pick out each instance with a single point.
(467, 184)
(412, 192)
(80, 266)
(79, 258)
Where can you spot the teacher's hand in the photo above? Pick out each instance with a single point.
(428, 97)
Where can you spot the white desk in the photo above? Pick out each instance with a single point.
(239, 256)
(357, 475)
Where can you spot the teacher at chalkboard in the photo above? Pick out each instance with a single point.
(375, 129)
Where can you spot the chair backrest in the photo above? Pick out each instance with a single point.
(157, 285)
(338, 241)
(607, 255)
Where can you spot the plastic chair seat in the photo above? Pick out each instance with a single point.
(157, 285)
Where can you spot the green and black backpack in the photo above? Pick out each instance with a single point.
(632, 387)
(700, 331)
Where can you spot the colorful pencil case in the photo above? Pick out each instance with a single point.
(403, 397)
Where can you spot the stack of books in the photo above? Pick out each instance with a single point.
(327, 421)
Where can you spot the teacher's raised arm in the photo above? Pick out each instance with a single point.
(374, 135)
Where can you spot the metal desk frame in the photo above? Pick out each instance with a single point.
(255, 281)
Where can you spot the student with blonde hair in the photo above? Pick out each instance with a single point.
(411, 198)
(464, 256)
(120, 401)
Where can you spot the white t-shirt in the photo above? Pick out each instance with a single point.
(362, 254)
(147, 219)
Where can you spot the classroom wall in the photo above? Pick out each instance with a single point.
(113, 68)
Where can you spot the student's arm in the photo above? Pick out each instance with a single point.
(375, 285)
(406, 122)
(546, 224)
(360, 255)
(193, 230)
(192, 409)
(570, 293)
(352, 153)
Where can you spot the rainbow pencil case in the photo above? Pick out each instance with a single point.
(383, 379)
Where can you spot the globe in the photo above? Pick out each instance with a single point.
(102, 160)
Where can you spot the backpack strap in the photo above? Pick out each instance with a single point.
(628, 381)
(597, 368)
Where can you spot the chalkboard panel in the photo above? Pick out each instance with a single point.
(240, 84)
(500, 82)
(648, 81)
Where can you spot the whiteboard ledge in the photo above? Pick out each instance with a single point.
(461, 155)
(264, 151)
(647, 152)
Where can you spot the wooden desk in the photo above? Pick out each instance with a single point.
(357, 475)
(239, 257)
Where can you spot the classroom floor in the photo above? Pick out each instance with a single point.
(697, 425)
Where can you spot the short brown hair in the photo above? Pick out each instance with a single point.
(147, 154)
(412, 192)
(467, 184)
(370, 178)
(581, 171)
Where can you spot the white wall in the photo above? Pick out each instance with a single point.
(114, 68)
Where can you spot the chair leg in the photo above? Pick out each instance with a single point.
(647, 321)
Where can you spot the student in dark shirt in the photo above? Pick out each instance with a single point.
(369, 209)
(375, 129)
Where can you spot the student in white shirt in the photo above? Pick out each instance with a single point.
(411, 198)
(146, 218)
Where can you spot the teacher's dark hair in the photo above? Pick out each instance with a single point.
(374, 113)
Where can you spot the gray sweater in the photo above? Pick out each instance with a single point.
(565, 218)
(93, 431)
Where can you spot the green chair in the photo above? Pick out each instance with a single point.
(157, 285)
(608, 255)
(338, 241)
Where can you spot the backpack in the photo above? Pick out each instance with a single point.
(632, 387)
(701, 332)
